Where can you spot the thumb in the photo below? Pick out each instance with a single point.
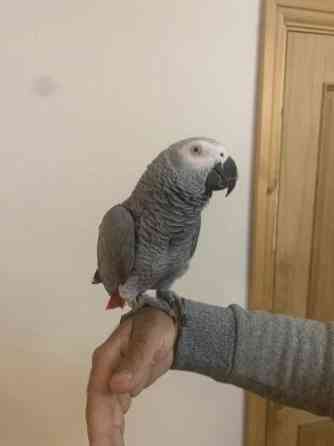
(136, 363)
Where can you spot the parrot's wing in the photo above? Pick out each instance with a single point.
(116, 247)
(195, 238)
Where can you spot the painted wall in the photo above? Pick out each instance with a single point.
(90, 92)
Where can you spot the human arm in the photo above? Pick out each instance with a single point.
(288, 360)
(138, 352)
(285, 359)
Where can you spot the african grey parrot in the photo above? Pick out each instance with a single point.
(147, 242)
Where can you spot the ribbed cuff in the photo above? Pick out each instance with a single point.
(206, 341)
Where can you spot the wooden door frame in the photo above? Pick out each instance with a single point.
(279, 18)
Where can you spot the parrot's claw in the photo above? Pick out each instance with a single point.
(167, 295)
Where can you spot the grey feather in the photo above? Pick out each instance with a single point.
(116, 247)
(196, 237)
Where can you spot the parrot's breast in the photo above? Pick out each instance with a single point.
(165, 242)
(162, 263)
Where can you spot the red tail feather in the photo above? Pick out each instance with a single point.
(115, 301)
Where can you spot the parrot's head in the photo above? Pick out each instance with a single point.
(203, 166)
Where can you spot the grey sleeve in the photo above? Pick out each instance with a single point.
(288, 360)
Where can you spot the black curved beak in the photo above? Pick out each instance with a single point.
(222, 176)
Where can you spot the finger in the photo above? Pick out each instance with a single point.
(106, 359)
(105, 420)
(116, 439)
(125, 401)
(133, 367)
(142, 382)
(104, 362)
(160, 364)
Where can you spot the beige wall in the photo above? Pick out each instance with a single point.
(89, 93)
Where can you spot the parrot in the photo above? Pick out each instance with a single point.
(147, 241)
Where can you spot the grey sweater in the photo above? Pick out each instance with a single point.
(288, 360)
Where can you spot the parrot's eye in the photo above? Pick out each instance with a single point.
(196, 150)
(222, 155)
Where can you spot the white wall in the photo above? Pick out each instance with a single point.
(89, 93)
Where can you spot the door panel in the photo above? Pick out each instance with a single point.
(304, 262)
(320, 303)
(320, 433)
(298, 171)
(292, 260)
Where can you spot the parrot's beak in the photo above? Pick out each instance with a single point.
(222, 176)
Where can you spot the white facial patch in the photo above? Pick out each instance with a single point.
(201, 154)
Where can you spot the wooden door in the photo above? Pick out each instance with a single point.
(293, 227)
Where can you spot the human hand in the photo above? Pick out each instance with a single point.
(138, 352)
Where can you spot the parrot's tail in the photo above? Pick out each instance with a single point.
(96, 278)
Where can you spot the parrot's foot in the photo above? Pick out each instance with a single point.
(167, 296)
(163, 297)
(144, 300)
(166, 301)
